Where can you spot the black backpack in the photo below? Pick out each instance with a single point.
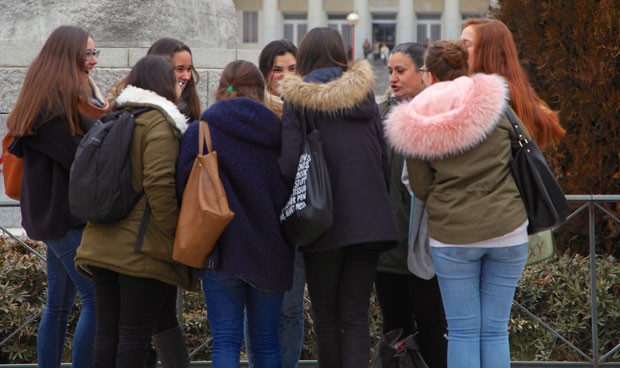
(100, 188)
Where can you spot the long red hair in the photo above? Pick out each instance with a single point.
(495, 52)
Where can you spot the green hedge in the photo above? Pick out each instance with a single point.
(557, 291)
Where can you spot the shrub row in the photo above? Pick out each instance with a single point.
(557, 291)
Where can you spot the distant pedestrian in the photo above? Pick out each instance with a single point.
(376, 52)
(366, 48)
(385, 52)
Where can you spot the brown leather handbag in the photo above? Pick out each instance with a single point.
(204, 210)
(12, 169)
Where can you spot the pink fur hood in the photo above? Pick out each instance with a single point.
(448, 118)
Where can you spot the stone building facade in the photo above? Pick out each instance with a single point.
(389, 21)
(123, 31)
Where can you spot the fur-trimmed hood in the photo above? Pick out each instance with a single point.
(134, 96)
(345, 92)
(448, 118)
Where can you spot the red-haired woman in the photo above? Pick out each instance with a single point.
(492, 50)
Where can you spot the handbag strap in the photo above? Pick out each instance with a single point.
(306, 118)
(204, 137)
(514, 122)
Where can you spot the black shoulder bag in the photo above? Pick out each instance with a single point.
(395, 351)
(544, 200)
(308, 214)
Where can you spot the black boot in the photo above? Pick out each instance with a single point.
(151, 357)
(170, 347)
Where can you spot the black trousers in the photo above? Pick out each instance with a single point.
(339, 285)
(128, 309)
(407, 301)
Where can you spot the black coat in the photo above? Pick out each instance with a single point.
(44, 200)
(352, 136)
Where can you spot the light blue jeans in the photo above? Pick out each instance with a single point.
(291, 321)
(226, 300)
(63, 282)
(478, 286)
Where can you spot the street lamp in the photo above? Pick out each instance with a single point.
(352, 20)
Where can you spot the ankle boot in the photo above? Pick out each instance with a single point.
(170, 347)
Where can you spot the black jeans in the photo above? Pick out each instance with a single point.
(339, 285)
(128, 310)
(407, 301)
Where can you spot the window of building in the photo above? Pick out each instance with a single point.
(466, 16)
(250, 27)
(474, 15)
(295, 27)
(428, 28)
(384, 29)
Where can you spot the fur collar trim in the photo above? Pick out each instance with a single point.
(135, 96)
(448, 118)
(344, 92)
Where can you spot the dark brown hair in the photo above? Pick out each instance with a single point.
(321, 47)
(155, 73)
(447, 60)
(495, 52)
(169, 47)
(270, 51)
(241, 78)
(52, 84)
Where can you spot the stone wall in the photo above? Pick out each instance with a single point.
(123, 31)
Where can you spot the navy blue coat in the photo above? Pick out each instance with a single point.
(352, 137)
(246, 136)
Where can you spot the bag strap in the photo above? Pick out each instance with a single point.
(514, 122)
(204, 137)
(143, 223)
(306, 119)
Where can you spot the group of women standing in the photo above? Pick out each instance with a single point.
(444, 122)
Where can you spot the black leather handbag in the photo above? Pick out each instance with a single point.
(544, 200)
(308, 214)
(392, 351)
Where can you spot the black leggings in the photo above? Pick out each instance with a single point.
(339, 285)
(128, 309)
(407, 301)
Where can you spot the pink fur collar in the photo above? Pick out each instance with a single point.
(448, 118)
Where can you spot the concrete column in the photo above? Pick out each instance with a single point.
(271, 25)
(452, 20)
(364, 27)
(316, 15)
(405, 25)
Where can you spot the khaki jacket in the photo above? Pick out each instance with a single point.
(155, 149)
(459, 147)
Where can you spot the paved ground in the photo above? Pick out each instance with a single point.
(382, 78)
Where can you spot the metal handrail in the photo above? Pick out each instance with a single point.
(589, 202)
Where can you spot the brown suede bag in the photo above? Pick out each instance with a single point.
(12, 169)
(204, 210)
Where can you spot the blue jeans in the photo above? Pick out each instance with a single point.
(226, 299)
(63, 282)
(477, 286)
(292, 319)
